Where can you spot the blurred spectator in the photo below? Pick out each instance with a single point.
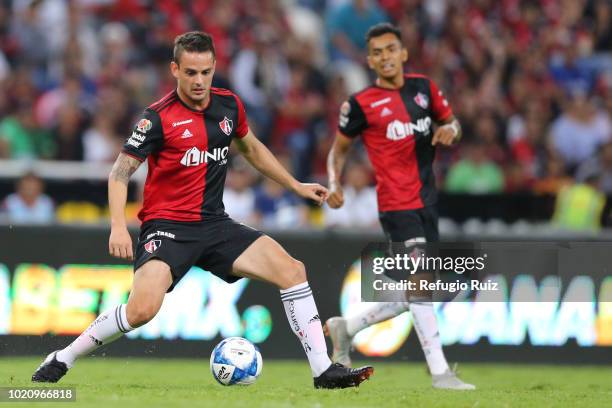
(554, 177)
(100, 143)
(347, 25)
(360, 205)
(298, 111)
(239, 195)
(68, 133)
(21, 138)
(260, 75)
(579, 130)
(475, 173)
(579, 206)
(276, 207)
(28, 205)
(600, 165)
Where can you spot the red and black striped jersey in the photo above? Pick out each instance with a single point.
(186, 152)
(396, 128)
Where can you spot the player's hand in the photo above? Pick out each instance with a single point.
(336, 197)
(312, 191)
(120, 244)
(445, 135)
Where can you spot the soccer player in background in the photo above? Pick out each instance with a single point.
(185, 138)
(394, 118)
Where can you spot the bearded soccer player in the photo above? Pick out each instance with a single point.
(185, 138)
(394, 118)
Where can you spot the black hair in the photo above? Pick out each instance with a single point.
(381, 29)
(192, 41)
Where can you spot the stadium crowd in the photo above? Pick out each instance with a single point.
(529, 80)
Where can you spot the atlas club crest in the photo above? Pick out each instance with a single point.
(226, 125)
(152, 245)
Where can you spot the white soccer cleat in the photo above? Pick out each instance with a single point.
(336, 329)
(449, 381)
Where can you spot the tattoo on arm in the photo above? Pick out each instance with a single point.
(123, 168)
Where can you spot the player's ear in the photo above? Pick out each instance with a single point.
(370, 62)
(404, 54)
(174, 68)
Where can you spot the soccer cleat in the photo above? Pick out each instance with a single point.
(50, 370)
(449, 381)
(339, 376)
(336, 330)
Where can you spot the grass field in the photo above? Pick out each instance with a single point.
(130, 382)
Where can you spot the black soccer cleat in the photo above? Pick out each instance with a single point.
(339, 376)
(51, 370)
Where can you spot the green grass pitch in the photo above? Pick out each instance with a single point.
(131, 382)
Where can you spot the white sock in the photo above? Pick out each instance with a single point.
(374, 313)
(426, 326)
(304, 320)
(108, 327)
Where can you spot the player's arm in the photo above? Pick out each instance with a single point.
(264, 161)
(448, 133)
(120, 242)
(335, 163)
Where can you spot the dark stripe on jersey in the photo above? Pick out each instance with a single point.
(423, 150)
(167, 103)
(168, 97)
(215, 174)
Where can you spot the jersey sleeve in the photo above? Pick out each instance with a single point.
(147, 136)
(439, 105)
(243, 127)
(352, 120)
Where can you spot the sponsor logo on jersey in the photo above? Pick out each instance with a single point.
(385, 112)
(195, 156)
(226, 125)
(186, 134)
(152, 246)
(144, 125)
(380, 102)
(422, 100)
(136, 139)
(397, 130)
(181, 122)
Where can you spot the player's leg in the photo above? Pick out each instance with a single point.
(341, 330)
(266, 260)
(151, 281)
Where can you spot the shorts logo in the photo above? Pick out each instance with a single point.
(144, 125)
(226, 125)
(421, 100)
(152, 246)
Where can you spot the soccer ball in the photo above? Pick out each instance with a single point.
(236, 361)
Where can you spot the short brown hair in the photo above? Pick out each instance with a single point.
(192, 41)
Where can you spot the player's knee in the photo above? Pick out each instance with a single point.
(296, 273)
(140, 314)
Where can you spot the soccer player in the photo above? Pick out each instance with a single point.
(185, 138)
(394, 118)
